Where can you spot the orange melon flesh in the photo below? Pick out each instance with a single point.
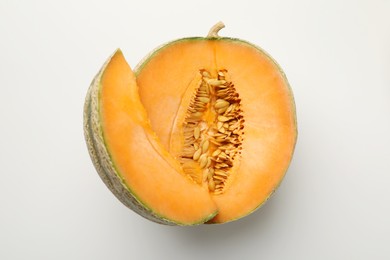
(267, 104)
(148, 170)
(270, 129)
(165, 79)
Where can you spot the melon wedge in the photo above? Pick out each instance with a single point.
(129, 157)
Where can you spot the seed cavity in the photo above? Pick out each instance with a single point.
(212, 131)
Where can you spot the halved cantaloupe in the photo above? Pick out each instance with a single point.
(203, 131)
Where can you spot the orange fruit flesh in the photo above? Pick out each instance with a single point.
(166, 80)
(146, 168)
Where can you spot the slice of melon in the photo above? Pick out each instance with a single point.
(128, 156)
(203, 132)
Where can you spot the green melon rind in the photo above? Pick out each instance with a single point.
(103, 163)
(148, 57)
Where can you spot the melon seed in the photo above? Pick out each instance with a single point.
(197, 154)
(221, 103)
(216, 152)
(215, 82)
(196, 146)
(205, 146)
(223, 118)
(203, 161)
(196, 115)
(222, 130)
(222, 110)
(211, 185)
(208, 162)
(222, 155)
(223, 86)
(197, 132)
(211, 173)
(219, 177)
(204, 99)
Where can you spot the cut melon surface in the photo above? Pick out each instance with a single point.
(203, 131)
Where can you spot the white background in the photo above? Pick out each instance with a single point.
(335, 200)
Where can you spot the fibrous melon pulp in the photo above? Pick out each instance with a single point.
(202, 131)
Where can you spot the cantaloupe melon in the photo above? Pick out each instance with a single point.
(202, 131)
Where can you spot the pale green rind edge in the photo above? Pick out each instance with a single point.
(102, 160)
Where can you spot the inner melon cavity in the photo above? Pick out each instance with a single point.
(211, 131)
